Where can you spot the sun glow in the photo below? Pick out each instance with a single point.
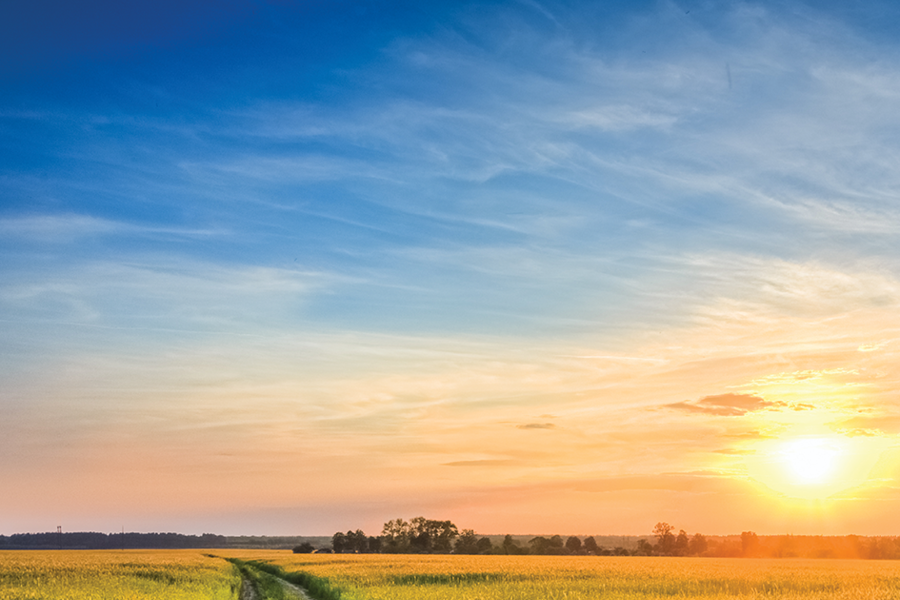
(811, 461)
(814, 467)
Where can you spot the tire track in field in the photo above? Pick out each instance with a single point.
(248, 591)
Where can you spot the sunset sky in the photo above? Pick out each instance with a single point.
(293, 267)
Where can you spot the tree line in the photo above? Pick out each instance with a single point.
(90, 540)
(426, 536)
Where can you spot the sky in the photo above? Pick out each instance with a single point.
(277, 267)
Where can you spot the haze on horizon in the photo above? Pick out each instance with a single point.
(534, 267)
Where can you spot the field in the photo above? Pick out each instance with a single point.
(191, 575)
(395, 577)
(112, 574)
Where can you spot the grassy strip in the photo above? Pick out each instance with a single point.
(318, 588)
(266, 585)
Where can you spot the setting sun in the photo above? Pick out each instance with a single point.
(810, 461)
(815, 467)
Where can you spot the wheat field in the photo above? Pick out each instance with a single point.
(404, 577)
(115, 575)
(192, 575)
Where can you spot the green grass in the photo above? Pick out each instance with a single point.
(266, 584)
(266, 575)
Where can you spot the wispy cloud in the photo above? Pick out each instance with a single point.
(161, 292)
(59, 228)
(727, 405)
(880, 424)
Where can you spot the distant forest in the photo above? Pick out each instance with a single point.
(425, 536)
(103, 541)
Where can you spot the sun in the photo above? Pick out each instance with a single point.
(810, 461)
(813, 467)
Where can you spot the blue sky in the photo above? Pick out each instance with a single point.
(377, 154)
(279, 223)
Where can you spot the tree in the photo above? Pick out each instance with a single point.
(396, 536)
(697, 545)
(443, 532)
(510, 546)
(467, 543)
(573, 545)
(356, 541)
(338, 542)
(484, 546)
(665, 541)
(681, 543)
(421, 542)
(644, 548)
(418, 535)
(590, 545)
(432, 536)
(749, 543)
(304, 548)
(539, 545)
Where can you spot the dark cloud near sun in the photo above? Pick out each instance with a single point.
(537, 426)
(731, 405)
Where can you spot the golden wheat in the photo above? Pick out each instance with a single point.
(115, 575)
(404, 577)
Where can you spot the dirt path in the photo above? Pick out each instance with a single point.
(248, 592)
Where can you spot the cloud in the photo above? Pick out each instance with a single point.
(617, 118)
(161, 292)
(871, 347)
(726, 405)
(64, 228)
(537, 426)
(869, 425)
(801, 377)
